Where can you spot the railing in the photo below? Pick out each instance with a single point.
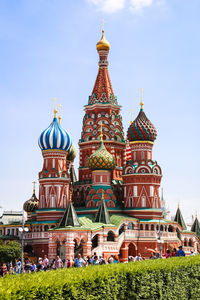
(36, 235)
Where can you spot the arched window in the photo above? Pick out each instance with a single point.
(157, 227)
(46, 227)
(141, 227)
(110, 236)
(161, 227)
(146, 227)
(185, 242)
(130, 226)
(121, 229)
(152, 227)
(190, 243)
(95, 241)
(170, 228)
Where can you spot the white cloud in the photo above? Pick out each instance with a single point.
(139, 5)
(109, 6)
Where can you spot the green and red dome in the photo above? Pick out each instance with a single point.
(141, 129)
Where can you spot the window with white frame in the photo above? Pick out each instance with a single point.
(142, 154)
(143, 201)
(52, 201)
(135, 191)
(53, 163)
(151, 191)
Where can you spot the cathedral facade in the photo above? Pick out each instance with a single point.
(114, 207)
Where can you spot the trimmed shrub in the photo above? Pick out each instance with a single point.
(173, 278)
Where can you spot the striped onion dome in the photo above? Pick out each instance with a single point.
(101, 159)
(32, 204)
(141, 129)
(72, 153)
(55, 137)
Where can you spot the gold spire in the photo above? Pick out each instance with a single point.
(141, 98)
(70, 194)
(103, 44)
(34, 183)
(178, 205)
(131, 110)
(59, 116)
(196, 215)
(101, 135)
(55, 108)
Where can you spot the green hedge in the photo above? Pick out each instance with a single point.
(173, 278)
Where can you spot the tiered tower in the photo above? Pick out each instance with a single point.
(102, 108)
(142, 175)
(56, 145)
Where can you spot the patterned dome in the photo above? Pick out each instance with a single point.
(32, 204)
(141, 129)
(55, 137)
(101, 159)
(72, 153)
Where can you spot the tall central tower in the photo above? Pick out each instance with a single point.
(102, 108)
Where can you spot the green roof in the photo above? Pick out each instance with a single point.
(179, 219)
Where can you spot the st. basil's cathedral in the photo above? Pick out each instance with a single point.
(115, 206)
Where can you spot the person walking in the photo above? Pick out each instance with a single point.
(180, 252)
(79, 261)
(58, 262)
(45, 263)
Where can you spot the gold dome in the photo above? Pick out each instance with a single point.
(103, 44)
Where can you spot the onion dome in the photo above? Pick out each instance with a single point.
(55, 137)
(32, 204)
(141, 129)
(103, 44)
(72, 153)
(101, 159)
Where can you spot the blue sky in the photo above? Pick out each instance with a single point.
(47, 50)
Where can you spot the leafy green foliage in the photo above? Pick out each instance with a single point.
(10, 251)
(174, 278)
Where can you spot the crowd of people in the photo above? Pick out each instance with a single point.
(78, 262)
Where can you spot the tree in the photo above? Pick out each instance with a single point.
(10, 252)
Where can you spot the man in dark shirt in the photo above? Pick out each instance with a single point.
(180, 252)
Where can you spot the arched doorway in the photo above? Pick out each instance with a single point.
(78, 248)
(131, 250)
(62, 251)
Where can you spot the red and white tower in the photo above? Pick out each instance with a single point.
(55, 143)
(102, 108)
(142, 175)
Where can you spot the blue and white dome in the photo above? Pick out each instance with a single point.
(55, 137)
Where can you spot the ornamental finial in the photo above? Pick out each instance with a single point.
(103, 195)
(59, 113)
(131, 110)
(178, 205)
(196, 215)
(141, 98)
(101, 135)
(34, 183)
(55, 108)
(103, 22)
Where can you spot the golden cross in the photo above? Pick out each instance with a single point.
(141, 98)
(131, 110)
(59, 110)
(55, 108)
(101, 135)
(34, 183)
(103, 22)
(103, 195)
